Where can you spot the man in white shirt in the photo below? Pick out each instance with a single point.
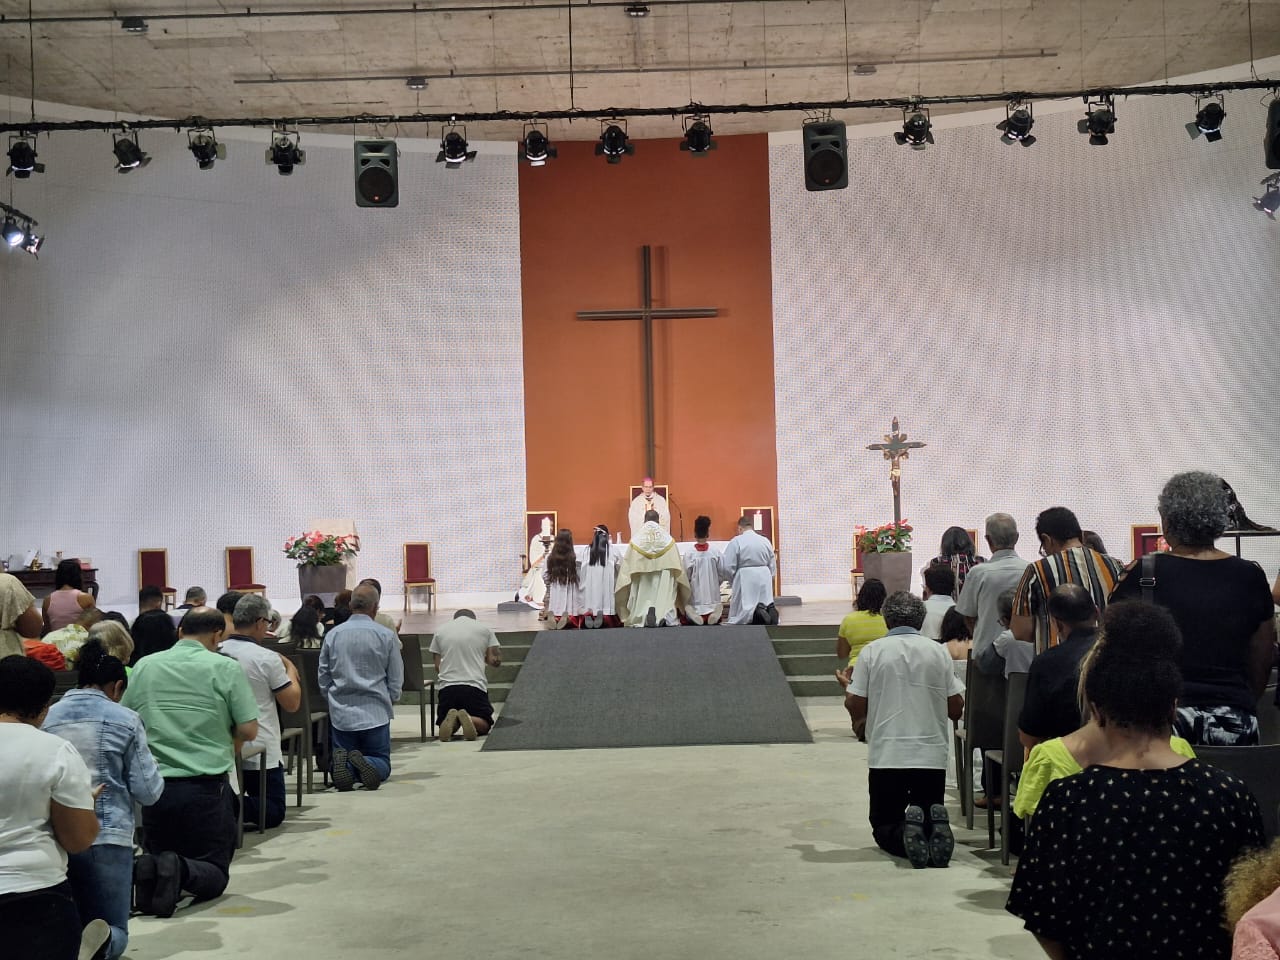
(979, 599)
(749, 565)
(462, 648)
(648, 500)
(939, 584)
(904, 690)
(702, 565)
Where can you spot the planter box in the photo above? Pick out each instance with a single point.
(891, 569)
(324, 582)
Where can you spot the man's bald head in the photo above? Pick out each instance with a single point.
(364, 599)
(1072, 605)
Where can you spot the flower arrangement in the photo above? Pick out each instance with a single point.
(888, 538)
(316, 549)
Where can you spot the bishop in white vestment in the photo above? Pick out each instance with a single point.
(648, 500)
(651, 577)
(749, 565)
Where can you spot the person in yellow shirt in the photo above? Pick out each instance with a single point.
(864, 624)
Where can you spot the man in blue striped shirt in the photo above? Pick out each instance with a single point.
(361, 674)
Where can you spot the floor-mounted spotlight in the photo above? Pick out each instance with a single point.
(453, 147)
(1269, 202)
(1099, 119)
(204, 146)
(18, 231)
(129, 155)
(614, 145)
(1210, 112)
(535, 146)
(284, 152)
(917, 130)
(1018, 121)
(22, 158)
(697, 135)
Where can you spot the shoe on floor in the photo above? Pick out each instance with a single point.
(942, 843)
(772, 611)
(447, 726)
(651, 618)
(144, 882)
(983, 802)
(93, 940)
(365, 770)
(913, 838)
(343, 778)
(168, 887)
(467, 724)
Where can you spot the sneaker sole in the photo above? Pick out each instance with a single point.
(93, 938)
(342, 777)
(448, 727)
(468, 726)
(368, 775)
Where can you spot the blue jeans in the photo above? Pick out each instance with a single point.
(102, 880)
(275, 801)
(375, 744)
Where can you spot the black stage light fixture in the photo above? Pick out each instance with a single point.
(1269, 202)
(284, 153)
(32, 244)
(1099, 119)
(14, 235)
(826, 162)
(22, 158)
(134, 25)
(453, 147)
(697, 135)
(1210, 112)
(416, 83)
(18, 231)
(1271, 139)
(535, 146)
(1019, 118)
(377, 173)
(614, 145)
(129, 155)
(917, 129)
(204, 146)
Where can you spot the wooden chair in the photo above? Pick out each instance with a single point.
(417, 573)
(983, 727)
(415, 682)
(153, 571)
(251, 750)
(240, 571)
(312, 716)
(1009, 760)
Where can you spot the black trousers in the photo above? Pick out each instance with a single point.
(195, 818)
(892, 791)
(40, 924)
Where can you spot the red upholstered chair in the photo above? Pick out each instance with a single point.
(240, 571)
(153, 571)
(417, 572)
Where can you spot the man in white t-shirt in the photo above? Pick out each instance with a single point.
(904, 690)
(939, 584)
(462, 647)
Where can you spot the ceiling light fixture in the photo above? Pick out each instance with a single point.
(453, 147)
(697, 135)
(1099, 119)
(614, 144)
(134, 25)
(636, 10)
(18, 231)
(284, 151)
(22, 158)
(204, 146)
(535, 146)
(1018, 121)
(1269, 202)
(917, 129)
(416, 83)
(12, 233)
(129, 155)
(1210, 112)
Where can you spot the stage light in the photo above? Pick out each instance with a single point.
(1099, 119)
(697, 135)
(453, 147)
(613, 145)
(416, 83)
(535, 147)
(284, 151)
(18, 231)
(1269, 202)
(22, 158)
(1210, 112)
(33, 244)
(204, 146)
(1018, 121)
(917, 130)
(636, 10)
(12, 233)
(129, 155)
(134, 25)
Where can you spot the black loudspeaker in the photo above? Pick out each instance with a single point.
(377, 179)
(1271, 142)
(826, 164)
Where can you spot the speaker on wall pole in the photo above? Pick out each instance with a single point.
(826, 163)
(377, 174)
(1271, 142)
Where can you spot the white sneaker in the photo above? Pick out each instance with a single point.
(448, 726)
(92, 939)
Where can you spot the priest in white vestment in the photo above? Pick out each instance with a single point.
(702, 564)
(749, 565)
(651, 578)
(646, 501)
(533, 589)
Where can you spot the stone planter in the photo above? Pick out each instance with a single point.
(891, 569)
(324, 582)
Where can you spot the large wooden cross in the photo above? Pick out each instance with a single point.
(647, 313)
(896, 449)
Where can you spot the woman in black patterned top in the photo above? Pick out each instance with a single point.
(1127, 859)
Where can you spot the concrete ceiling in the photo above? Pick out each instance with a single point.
(515, 55)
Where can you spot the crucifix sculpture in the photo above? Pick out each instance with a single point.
(647, 313)
(896, 449)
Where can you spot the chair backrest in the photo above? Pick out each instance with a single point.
(301, 716)
(417, 562)
(239, 566)
(64, 680)
(308, 664)
(984, 697)
(411, 652)
(857, 555)
(153, 567)
(1268, 717)
(1015, 694)
(1259, 768)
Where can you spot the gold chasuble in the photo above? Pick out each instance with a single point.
(651, 575)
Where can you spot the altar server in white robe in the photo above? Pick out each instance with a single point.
(749, 565)
(648, 500)
(702, 564)
(599, 575)
(564, 583)
(652, 584)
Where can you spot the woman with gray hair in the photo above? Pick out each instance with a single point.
(1223, 607)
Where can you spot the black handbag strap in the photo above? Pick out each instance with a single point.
(1148, 580)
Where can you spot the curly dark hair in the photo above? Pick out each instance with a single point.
(26, 687)
(562, 562)
(1132, 677)
(871, 595)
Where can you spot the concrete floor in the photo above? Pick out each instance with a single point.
(680, 852)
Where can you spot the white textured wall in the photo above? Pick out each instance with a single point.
(209, 358)
(1063, 324)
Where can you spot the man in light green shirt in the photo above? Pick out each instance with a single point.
(196, 704)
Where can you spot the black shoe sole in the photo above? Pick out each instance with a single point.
(168, 889)
(144, 883)
(368, 775)
(913, 838)
(942, 842)
(342, 778)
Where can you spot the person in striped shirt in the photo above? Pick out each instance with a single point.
(1063, 559)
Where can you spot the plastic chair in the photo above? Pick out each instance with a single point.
(1009, 758)
(415, 681)
(1259, 768)
(417, 573)
(983, 725)
(240, 571)
(153, 571)
(247, 751)
(312, 716)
